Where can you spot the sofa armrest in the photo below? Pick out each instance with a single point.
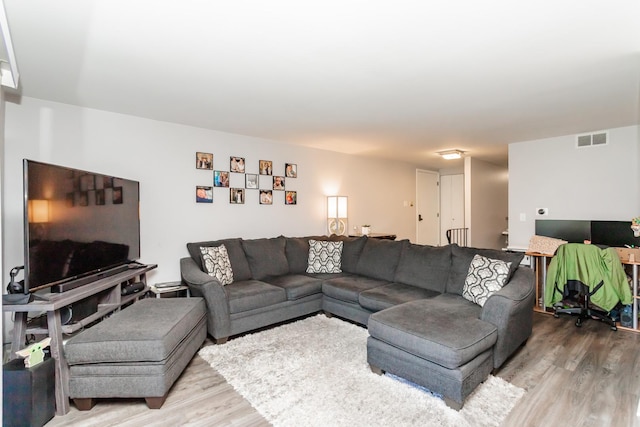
(511, 311)
(202, 285)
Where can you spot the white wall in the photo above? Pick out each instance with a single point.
(486, 203)
(594, 183)
(162, 157)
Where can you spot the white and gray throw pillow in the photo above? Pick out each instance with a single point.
(486, 276)
(325, 256)
(215, 260)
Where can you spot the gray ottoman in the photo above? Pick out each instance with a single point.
(138, 352)
(429, 343)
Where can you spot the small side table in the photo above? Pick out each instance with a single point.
(169, 290)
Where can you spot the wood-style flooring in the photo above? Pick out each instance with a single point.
(587, 376)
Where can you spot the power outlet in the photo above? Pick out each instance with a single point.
(542, 211)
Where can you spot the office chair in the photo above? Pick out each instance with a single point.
(593, 275)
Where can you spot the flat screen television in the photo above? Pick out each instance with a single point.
(78, 226)
(612, 233)
(573, 231)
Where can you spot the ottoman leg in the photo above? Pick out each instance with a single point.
(452, 403)
(84, 404)
(155, 402)
(376, 370)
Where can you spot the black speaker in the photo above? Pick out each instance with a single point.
(28, 394)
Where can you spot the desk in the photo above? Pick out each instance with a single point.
(634, 290)
(108, 290)
(539, 266)
(538, 258)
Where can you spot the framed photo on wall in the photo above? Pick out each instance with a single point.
(251, 180)
(236, 164)
(278, 182)
(204, 160)
(220, 179)
(236, 196)
(291, 198)
(266, 167)
(266, 197)
(204, 194)
(290, 170)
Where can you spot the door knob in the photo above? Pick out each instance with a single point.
(419, 217)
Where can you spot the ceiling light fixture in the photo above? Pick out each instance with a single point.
(451, 154)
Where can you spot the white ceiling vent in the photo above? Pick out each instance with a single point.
(592, 139)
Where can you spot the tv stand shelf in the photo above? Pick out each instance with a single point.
(108, 292)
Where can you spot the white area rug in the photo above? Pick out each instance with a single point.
(314, 372)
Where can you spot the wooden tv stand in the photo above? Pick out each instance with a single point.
(110, 299)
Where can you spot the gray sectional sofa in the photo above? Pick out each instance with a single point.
(410, 297)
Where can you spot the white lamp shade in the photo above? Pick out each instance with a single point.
(337, 207)
(337, 214)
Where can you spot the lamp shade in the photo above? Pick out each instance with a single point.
(337, 214)
(38, 211)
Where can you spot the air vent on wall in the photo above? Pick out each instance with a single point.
(592, 139)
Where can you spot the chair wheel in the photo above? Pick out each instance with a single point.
(556, 315)
(614, 328)
(579, 323)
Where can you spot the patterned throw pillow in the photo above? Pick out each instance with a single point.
(486, 276)
(324, 257)
(216, 263)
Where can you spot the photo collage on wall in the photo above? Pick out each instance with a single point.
(264, 180)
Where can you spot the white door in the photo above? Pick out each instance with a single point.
(427, 208)
(451, 204)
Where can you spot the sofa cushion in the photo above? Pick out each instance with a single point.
(348, 288)
(239, 263)
(486, 276)
(379, 258)
(216, 263)
(324, 256)
(266, 257)
(461, 259)
(297, 252)
(392, 294)
(251, 294)
(297, 286)
(351, 251)
(424, 266)
(435, 329)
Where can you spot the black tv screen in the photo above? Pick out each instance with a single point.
(78, 225)
(573, 231)
(612, 233)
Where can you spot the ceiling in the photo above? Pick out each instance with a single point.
(398, 79)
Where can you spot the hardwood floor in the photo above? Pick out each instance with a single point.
(588, 376)
(200, 397)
